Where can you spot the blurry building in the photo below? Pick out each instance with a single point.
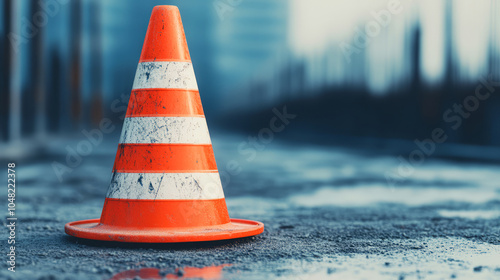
(79, 65)
(250, 37)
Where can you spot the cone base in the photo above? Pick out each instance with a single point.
(92, 229)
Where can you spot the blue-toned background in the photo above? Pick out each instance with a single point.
(370, 69)
(365, 135)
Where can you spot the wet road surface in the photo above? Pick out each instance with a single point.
(328, 213)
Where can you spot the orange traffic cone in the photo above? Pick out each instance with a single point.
(165, 185)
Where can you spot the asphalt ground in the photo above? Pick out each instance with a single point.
(329, 213)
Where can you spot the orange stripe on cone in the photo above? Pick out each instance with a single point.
(165, 39)
(164, 103)
(164, 213)
(164, 158)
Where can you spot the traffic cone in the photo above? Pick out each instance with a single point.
(165, 185)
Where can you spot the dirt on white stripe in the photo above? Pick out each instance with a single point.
(165, 74)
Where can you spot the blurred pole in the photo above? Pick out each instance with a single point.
(75, 68)
(54, 91)
(37, 64)
(494, 71)
(415, 60)
(96, 63)
(12, 66)
(448, 41)
(494, 48)
(448, 93)
(4, 70)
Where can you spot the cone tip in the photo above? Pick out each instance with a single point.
(165, 39)
(166, 7)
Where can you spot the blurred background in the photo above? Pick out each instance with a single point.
(356, 73)
(345, 126)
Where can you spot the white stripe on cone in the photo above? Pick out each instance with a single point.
(165, 130)
(165, 74)
(165, 186)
